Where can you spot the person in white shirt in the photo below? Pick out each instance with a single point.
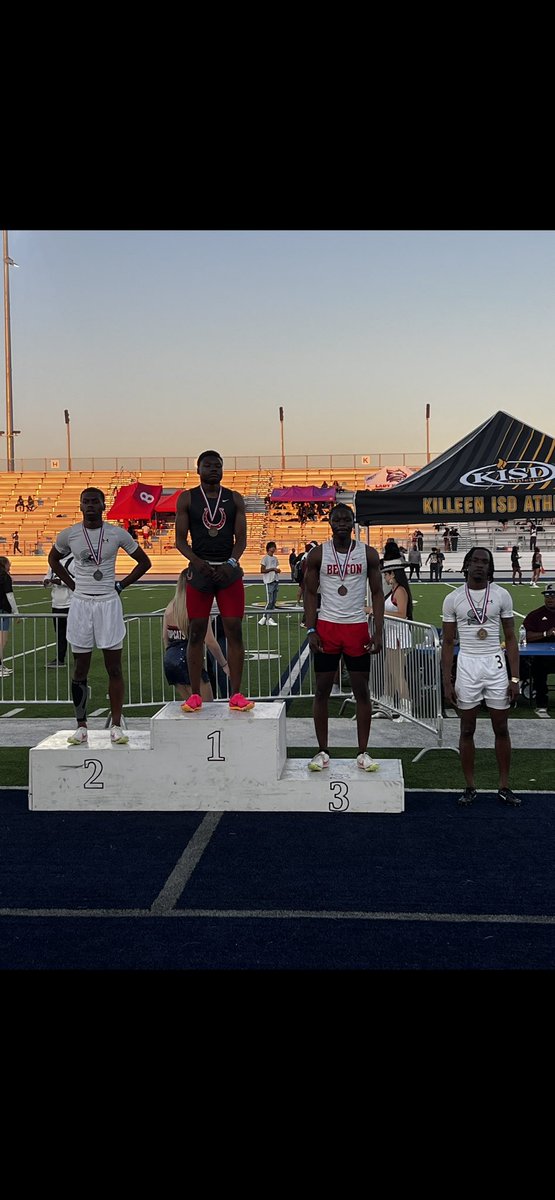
(270, 570)
(61, 599)
(95, 615)
(476, 609)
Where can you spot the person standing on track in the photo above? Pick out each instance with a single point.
(476, 609)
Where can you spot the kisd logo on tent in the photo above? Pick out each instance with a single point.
(516, 473)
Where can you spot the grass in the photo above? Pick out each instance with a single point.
(437, 770)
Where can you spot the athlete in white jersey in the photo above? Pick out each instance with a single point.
(476, 609)
(95, 615)
(341, 569)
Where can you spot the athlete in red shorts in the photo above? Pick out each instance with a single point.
(213, 518)
(341, 569)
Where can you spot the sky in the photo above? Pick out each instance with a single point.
(168, 342)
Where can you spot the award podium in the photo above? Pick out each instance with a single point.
(211, 760)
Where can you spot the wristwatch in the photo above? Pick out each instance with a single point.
(515, 679)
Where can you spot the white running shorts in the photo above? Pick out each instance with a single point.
(482, 677)
(95, 621)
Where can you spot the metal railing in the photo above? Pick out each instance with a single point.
(404, 679)
(255, 462)
(277, 660)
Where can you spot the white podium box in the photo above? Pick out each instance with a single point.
(252, 744)
(214, 760)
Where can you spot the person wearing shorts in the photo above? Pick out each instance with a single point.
(95, 617)
(211, 531)
(476, 609)
(341, 570)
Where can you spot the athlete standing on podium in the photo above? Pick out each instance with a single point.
(341, 568)
(213, 517)
(95, 615)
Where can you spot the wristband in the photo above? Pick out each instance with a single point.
(118, 586)
(513, 680)
(232, 562)
(310, 631)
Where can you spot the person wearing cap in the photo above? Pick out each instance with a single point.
(540, 628)
(476, 609)
(341, 569)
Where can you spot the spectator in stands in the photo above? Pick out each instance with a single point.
(515, 565)
(7, 605)
(475, 609)
(16, 546)
(146, 532)
(211, 531)
(270, 570)
(537, 567)
(540, 628)
(95, 615)
(418, 537)
(446, 538)
(175, 636)
(414, 561)
(533, 534)
(61, 600)
(454, 538)
(341, 569)
(20, 504)
(30, 504)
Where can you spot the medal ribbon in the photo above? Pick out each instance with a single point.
(97, 554)
(210, 513)
(481, 617)
(342, 573)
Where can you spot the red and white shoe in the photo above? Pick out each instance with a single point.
(239, 703)
(193, 704)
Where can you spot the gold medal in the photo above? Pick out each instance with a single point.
(342, 591)
(482, 634)
(213, 532)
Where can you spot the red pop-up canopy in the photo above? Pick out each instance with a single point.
(135, 500)
(169, 503)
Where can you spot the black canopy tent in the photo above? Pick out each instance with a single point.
(503, 470)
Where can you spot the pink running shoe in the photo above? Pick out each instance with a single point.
(193, 704)
(239, 703)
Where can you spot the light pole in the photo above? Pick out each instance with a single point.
(282, 444)
(66, 418)
(8, 262)
(427, 433)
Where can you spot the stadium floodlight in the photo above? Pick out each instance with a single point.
(8, 262)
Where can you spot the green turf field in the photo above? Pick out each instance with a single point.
(269, 650)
